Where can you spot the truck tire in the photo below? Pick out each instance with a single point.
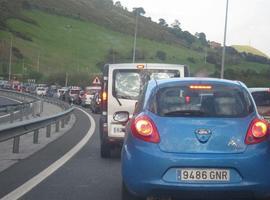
(105, 150)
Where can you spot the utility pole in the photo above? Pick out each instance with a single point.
(38, 62)
(135, 37)
(224, 42)
(23, 70)
(66, 82)
(205, 55)
(10, 58)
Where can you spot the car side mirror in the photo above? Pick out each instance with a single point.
(121, 116)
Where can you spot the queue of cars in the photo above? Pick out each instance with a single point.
(86, 97)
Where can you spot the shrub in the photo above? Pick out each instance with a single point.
(161, 55)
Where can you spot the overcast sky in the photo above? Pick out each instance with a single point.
(248, 21)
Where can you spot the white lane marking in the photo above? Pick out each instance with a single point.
(8, 114)
(29, 185)
(11, 99)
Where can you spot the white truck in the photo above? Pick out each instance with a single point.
(121, 88)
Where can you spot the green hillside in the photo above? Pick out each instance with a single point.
(249, 49)
(68, 44)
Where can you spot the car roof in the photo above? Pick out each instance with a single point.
(259, 89)
(196, 80)
(146, 65)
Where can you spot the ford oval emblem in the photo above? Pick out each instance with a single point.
(203, 135)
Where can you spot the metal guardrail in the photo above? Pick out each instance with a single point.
(16, 130)
(23, 97)
(30, 105)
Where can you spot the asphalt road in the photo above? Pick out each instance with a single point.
(85, 176)
(5, 101)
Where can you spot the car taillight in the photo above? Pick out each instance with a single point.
(143, 128)
(257, 132)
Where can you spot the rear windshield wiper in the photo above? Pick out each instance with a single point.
(184, 113)
(119, 102)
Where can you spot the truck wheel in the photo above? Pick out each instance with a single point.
(105, 150)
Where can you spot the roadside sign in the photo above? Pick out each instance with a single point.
(31, 80)
(96, 81)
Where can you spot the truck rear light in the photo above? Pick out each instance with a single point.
(144, 128)
(257, 132)
(104, 96)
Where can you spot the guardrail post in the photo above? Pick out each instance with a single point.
(21, 112)
(16, 144)
(27, 111)
(48, 131)
(41, 106)
(63, 123)
(57, 126)
(11, 116)
(67, 118)
(34, 109)
(35, 138)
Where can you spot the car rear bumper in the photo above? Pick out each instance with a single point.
(147, 171)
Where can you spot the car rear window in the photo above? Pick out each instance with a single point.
(128, 83)
(74, 91)
(91, 91)
(262, 98)
(206, 101)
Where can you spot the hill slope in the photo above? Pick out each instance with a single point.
(64, 44)
(249, 49)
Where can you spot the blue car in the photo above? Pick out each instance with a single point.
(195, 138)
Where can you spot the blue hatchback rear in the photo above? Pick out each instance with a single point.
(196, 138)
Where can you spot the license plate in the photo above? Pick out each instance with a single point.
(215, 175)
(117, 129)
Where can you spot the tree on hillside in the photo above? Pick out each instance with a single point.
(118, 4)
(176, 24)
(162, 22)
(188, 37)
(139, 11)
(202, 38)
(104, 3)
(161, 55)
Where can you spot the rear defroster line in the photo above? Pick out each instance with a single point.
(30, 184)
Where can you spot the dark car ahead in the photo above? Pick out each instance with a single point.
(72, 95)
(262, 100)
(96, 103)
(195, 138)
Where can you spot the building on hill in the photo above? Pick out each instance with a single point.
(214, 45)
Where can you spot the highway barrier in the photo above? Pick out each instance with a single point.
(17, 129)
